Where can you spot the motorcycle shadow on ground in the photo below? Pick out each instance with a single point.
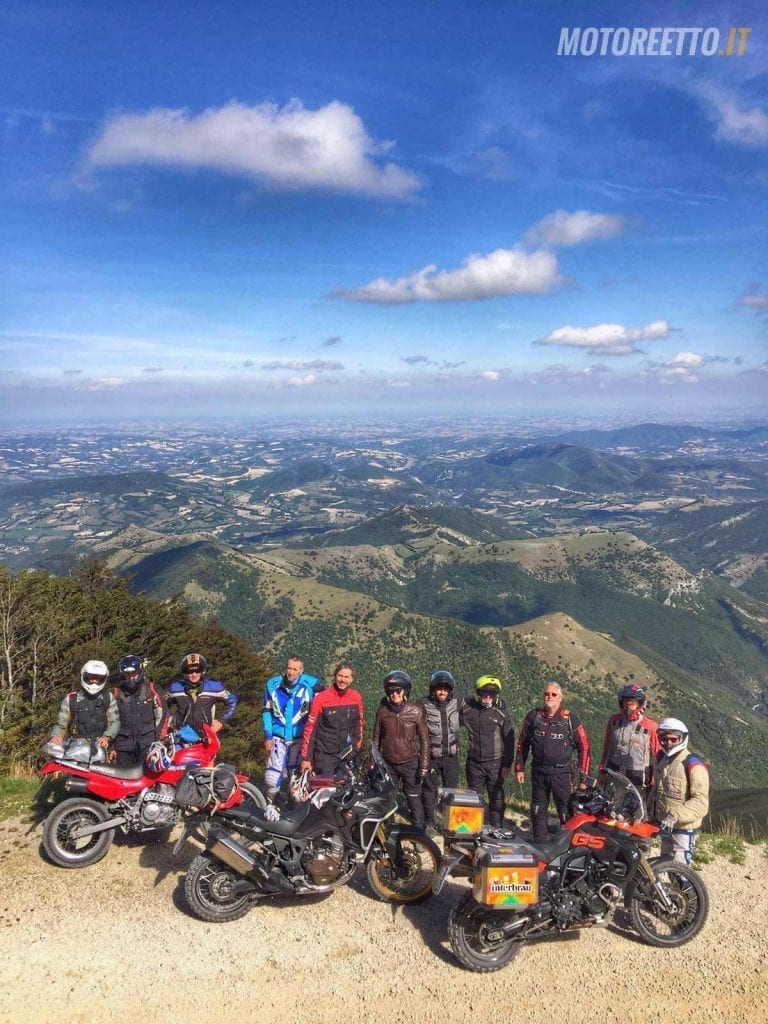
(431, 920)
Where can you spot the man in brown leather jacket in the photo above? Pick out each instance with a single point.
(400, 733)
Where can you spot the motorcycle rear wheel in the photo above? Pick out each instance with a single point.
(208, 890)
(66, 818)
(469, 925)
(420, 859)
(686, 890)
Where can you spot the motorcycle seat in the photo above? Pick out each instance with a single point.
(118, 773)
(286, 825)
(553, 847)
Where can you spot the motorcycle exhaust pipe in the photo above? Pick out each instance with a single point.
(74, 784)
(233, 855)
(244, 863)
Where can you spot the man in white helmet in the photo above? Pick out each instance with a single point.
(89, 712)
(680, 791)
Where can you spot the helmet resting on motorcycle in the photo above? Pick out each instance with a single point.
(159, 758)
(397, 680)
(131, 669)
(442, 679)
(673, 735)
(194, 663)
(78, 749)
(93, 677)
(299, 786)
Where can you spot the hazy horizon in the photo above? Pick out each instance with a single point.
(394, 209)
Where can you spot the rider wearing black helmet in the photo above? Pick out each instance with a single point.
(143, 713)
(400, 733)
(631, 743)
(442, 709)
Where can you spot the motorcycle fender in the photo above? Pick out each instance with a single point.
(447, 864)
(629, 892)
(397, 833)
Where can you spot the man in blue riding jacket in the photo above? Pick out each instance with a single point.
(287, 700)
(194, 699)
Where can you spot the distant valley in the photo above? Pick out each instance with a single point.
(634, 554)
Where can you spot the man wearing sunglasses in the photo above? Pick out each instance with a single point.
(551, 733)
(680, 791)
(194, 699)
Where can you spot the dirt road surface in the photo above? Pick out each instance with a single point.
(115, 942)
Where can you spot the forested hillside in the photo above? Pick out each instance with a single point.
(433, 602)
(51, 625)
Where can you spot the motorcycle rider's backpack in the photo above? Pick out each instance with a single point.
(689, 762)
(203, 787)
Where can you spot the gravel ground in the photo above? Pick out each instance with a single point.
(115, 942)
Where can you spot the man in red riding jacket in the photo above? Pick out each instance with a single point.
(631, 744)
(335, 721)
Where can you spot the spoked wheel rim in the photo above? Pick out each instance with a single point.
(411, 878)
(214, 887)
(69, 823)
(481, 930)
(679, 922)
(476, 936)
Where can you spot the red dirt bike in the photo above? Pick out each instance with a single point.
(575, 880)
(79, 831)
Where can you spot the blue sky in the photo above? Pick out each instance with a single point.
(266, 208)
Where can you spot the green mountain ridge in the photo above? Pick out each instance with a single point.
(436, 602)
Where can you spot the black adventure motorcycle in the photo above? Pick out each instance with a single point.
(575, 880)
(312, 848)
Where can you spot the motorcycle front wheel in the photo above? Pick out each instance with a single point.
(253, 793)
(471, 930)
(208, 890)
(409, 881)
(63, 822)
(661, 926)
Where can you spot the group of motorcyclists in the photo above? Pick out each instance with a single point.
(125, 721)
(308, 727)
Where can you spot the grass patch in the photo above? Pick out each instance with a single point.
(721, 844)
(16, 796)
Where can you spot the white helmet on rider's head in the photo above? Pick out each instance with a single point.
(93, 677)
(673, 732)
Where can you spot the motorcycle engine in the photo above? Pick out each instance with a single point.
(583, 895)
(158, 808)
(324, 859)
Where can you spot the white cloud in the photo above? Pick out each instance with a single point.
(607, 339)
(676, 375)
(686, 359)
(563, 228)
(392, 383)
(492, 375)
(499, 273)
(734, 122)
(302, 364)
(289, 148)
(105, 384)
(302, 382)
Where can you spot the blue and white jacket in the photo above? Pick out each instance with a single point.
(286, 710)
(190, 708)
